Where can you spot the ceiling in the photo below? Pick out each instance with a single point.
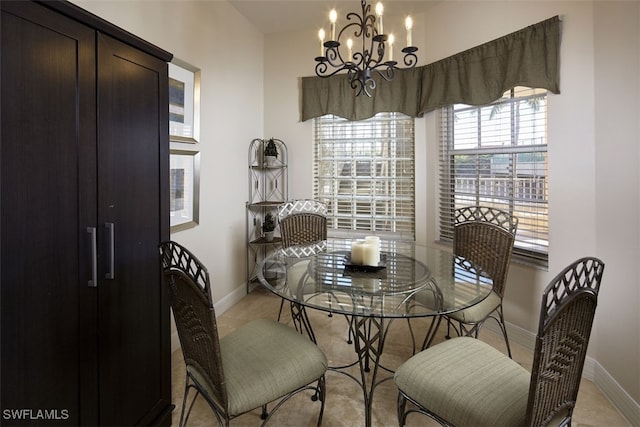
(280, 16)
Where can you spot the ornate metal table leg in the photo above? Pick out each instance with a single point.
(431, 333)
(301, 321)
(369, 336)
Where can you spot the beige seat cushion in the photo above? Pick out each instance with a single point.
(468, 383)
(265, 360)
(477, 313)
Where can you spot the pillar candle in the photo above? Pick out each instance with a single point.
(371, 255)
(374, 240)
(357, 252)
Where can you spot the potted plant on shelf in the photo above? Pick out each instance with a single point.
(268, 226)
(270, 152)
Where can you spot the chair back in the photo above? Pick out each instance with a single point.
(485, 236)
(302, 221)
(566, 317)
(190, 295)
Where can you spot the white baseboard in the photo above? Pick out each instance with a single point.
(629, 408)
(593, 371)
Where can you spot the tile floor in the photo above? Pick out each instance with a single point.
(344, 403)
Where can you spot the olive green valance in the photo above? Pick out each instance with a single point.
(478, 76)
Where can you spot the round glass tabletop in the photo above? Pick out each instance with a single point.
(410, 281)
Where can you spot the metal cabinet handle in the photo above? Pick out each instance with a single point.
(111, 274)
(94, 258)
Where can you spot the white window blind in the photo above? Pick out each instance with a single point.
(496, 155)
(364, 172)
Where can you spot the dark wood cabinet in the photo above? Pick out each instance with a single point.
(84, 160)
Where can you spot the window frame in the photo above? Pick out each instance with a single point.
(526, 196)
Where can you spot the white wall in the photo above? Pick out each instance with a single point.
(617, 151)
(250, 89)
(593, 150)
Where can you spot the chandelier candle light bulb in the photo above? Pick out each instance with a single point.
(321, 37)
(333, 16)
(379, 10)
(391, 39)
(408, 23)
(349, 46)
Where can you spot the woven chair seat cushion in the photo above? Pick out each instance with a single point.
(479, 312)
(468, 383)
(265, 360)
(297, 275)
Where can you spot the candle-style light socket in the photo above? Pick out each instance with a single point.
(380, 38)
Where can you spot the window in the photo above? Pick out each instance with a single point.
(496, 155)
(364, 172)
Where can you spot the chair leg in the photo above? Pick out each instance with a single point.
(402, 403)
(184, 416)
(503, 327)
(322, 391)
(281, 307)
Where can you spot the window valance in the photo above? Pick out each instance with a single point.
(477, 76)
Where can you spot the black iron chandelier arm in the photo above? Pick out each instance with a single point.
(322, 69)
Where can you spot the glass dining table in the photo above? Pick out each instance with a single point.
(410, 281)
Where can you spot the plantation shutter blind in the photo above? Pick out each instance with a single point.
(364, 172)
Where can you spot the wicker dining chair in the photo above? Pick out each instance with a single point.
(263, 361)
(466, 382)
(485, 236)
(302, 221)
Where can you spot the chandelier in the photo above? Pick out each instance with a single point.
(338, 54)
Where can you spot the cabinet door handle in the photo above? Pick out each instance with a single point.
(94, 258)
(111, 274)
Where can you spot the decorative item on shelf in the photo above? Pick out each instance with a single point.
(370, 54)
(268, 226)
(270, 152)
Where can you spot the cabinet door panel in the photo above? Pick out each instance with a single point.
(133, 314)
(47, 149)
